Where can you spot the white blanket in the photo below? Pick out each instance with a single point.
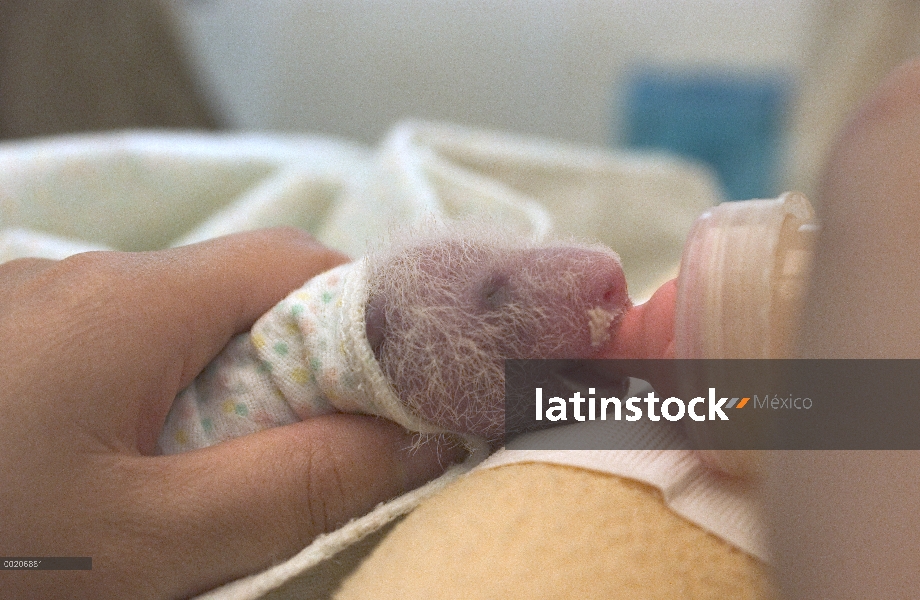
(148, 190)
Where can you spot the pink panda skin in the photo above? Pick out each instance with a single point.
(443, 314)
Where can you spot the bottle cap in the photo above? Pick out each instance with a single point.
(742, 279)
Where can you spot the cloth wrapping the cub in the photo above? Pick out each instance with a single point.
(306, 357)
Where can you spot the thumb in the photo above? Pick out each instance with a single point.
(245, 504)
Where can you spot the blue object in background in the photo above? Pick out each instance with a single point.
(732, 123)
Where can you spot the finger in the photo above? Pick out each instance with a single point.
(261, 498)
(153, 320)
(14, 272)
(220, 287)
(187, 300)
(210, 291)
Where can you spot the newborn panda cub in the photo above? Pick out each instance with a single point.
(444, 312)
(417, 332)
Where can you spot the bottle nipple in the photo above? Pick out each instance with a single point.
(739, 294)
(740, 289)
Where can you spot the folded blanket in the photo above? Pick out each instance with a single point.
(149, 190)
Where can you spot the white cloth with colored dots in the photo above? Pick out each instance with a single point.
(306, 357)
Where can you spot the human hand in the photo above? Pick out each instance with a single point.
(95, 349)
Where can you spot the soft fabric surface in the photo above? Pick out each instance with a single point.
(148, 190)
(659, 457)
(548, 531)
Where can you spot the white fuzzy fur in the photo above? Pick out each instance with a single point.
(444, 345)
